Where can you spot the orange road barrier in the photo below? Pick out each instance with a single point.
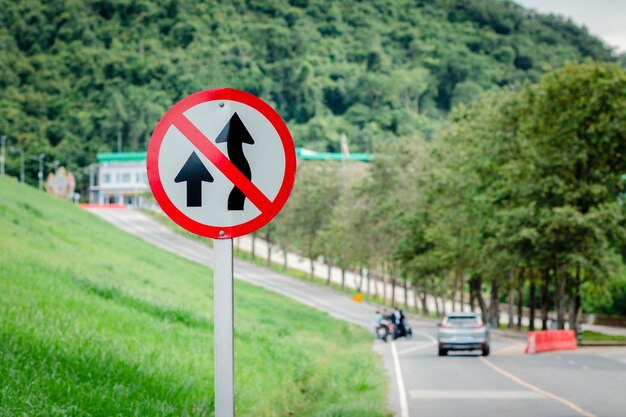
(358, 298)
(546, 340)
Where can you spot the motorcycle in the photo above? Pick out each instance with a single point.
(403, 330)
(384, 330)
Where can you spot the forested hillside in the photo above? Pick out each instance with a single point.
(76, 74)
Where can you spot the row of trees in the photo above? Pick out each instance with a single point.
(522, 196)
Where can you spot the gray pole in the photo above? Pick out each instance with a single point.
(22, 166)
(3, 155)
(223, 329)
(40, 173)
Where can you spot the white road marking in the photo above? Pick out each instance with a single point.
(418, 347)
(538, 390)
(404, 406)
(475, 395)
(426, 335)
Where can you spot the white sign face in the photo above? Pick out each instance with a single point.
(221, 159)
(265, 157)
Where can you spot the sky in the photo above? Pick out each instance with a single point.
(605, 19)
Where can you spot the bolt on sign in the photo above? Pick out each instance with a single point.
(221, 163)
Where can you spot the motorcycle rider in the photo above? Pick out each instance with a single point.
(397, 318)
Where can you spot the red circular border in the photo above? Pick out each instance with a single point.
(153, 163)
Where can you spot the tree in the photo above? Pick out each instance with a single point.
(577, 119)
(312, 200)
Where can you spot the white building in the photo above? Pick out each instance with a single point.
(119, 178)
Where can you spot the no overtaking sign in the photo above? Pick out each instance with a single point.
(221, 163)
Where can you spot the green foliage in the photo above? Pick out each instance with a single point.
(608, 299)
(308, 209)
(530, 181)
(76, 74)
(96, 322)
(521, 185)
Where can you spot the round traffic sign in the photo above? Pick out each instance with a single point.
(221, 163)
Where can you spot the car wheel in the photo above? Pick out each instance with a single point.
(443, 352)
(486, 350)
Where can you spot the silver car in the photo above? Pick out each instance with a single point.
(462, 331)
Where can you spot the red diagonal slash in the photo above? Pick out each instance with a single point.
(221, 162)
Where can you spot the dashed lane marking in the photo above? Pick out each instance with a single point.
(538, 390)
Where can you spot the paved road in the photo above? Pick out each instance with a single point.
(588, 382)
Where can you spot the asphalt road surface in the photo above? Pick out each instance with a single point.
(587, 382)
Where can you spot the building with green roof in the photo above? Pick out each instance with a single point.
(121, 178)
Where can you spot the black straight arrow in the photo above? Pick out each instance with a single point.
(194, 173)
(236, 134)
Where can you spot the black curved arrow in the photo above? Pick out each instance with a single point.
(236, 134)
(194, 173)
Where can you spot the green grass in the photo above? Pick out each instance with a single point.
(95, 322)
(601, 337)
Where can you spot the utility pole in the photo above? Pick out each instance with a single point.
(40, 173)
(21, 151)
(119, 141)
(3, 155)
(39, 158)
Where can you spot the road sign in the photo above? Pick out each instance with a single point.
(221, 163)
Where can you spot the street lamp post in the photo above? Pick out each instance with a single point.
(21, 151)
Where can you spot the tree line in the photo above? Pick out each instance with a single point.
(521, 198)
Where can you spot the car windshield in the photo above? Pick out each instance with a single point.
(462, 322)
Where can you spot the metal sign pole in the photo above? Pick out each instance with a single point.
(3, 155)
(223, 329)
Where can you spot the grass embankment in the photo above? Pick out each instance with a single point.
(94, 322)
